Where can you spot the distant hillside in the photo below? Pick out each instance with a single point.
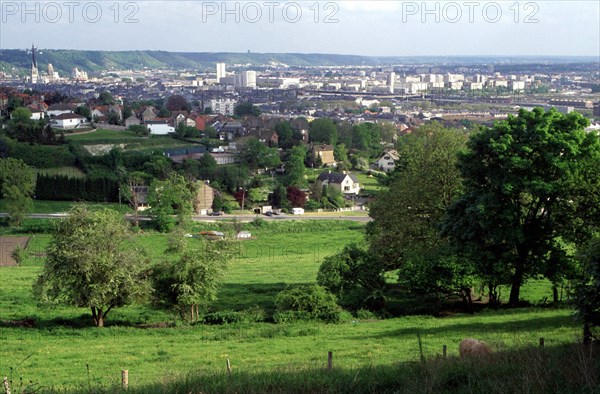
(93, 61)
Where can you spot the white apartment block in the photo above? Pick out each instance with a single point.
(222, 106)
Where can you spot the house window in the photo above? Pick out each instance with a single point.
(346, 188)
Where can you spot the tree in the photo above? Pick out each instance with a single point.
(323, 131)
(423, 184)
(296, 196)
(294, 167)
(246, 108)
(17, 184)
(90, 264)
(84, 111)
(355, 276)
(257, 155)
(177, 102)
(285, 132)
(587, 293)
(279, 198)
(529, 182)
(139, 130)
(208, 166)
(193, 279)
(258, 194)
(135, 191)
(21, 127)
(170, 197)
(106, 98)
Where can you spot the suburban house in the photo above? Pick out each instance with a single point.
(36, 114)
(230, 131)
(148, 114)
(325, 153)
(267, 137)
(99, 113)
(68, 121)
(131, 121)
(387, 162)
(346, 183)
(159, 127)
(204, 198)
(59, 109)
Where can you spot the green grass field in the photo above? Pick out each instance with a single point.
(72, 172)
(58, 350)
(131, 141)
(41, 206)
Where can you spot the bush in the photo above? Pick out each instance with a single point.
(307, 303)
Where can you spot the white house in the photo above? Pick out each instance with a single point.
(68, 121)
(159, 127)
(346, 183)
(387, 162)
(59, 109)
(36, 114)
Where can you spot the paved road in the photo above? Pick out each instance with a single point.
(242, 218)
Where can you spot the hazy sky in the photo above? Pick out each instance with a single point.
(402, 28)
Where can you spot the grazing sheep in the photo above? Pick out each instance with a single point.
(473, 348)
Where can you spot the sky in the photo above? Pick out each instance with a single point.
(372, 28)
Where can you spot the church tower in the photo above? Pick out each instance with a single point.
(34, 69)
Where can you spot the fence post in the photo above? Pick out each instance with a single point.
(228, 367)
(329, 360)
(444, 350)
(6, 386)
(541, 343)
(125, 379)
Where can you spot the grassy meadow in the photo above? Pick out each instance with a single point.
(131, 141)
(44, 349)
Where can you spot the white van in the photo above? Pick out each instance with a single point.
(297, 211)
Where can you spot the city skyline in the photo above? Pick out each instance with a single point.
(379, 28)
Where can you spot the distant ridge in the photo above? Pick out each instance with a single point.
(93, 61)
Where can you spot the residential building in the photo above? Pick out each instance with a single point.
(68, 121)
(345, 183)
(221, 71)
(325, 153)
(387, 161)
(159, 127)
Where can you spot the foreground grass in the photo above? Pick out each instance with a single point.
(60, 354)
(57, 347)
(561, 369)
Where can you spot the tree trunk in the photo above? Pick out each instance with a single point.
(587, 332)
(492, 295)
(468, 300)
(517, 281)
(555, 293)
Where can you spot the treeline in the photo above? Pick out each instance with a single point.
(62, 187)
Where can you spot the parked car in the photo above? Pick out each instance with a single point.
(217, 213)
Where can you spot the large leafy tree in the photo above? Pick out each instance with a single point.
(90, 264)
(170, 197)
(17, 184)
(192, 280)
(404, 234)
(423, 185)
(294, 167)
(323, 131)
(587, 294)
(355, 276)
(530, 183)
(257, 155)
